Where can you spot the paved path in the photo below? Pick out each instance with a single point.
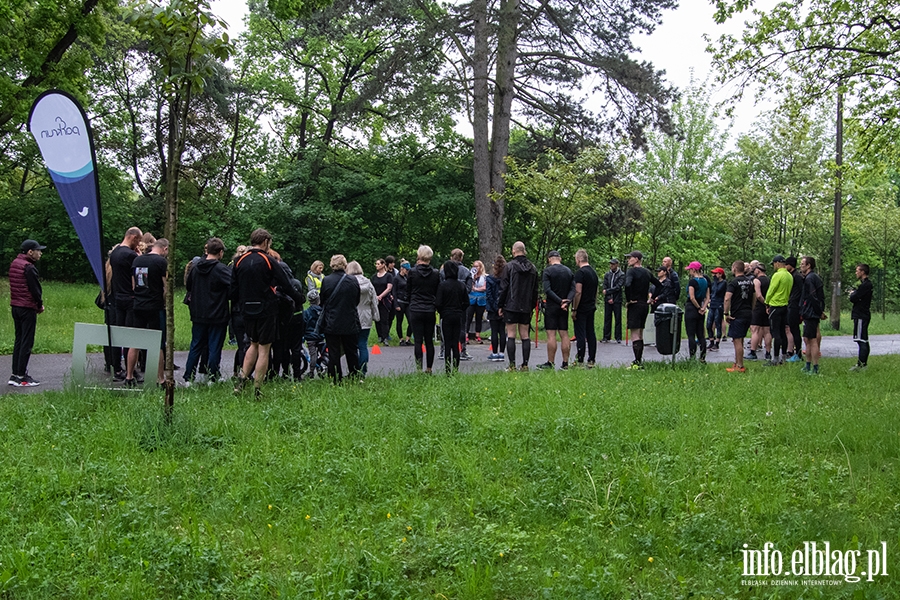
(52, 370)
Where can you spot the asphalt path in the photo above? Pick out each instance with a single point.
(54, 370)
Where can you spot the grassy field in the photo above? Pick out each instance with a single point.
(69, 303)
(587, 484)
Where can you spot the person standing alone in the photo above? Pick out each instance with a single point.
(861, 298)
(26, 302)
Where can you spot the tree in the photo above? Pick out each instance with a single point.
(562, 197)
(185, 54)
(545, 51)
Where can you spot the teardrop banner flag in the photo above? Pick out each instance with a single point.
(62, 132)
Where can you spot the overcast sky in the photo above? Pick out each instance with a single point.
(677, 46)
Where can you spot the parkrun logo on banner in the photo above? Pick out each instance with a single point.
(60, 130)
(813, 565)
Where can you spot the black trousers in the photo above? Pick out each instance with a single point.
(695, 329)
(399, 315)
(383, 325)
(611, 311)
(346, 345)
(778, 318)
(450, 329)
(793, 323)
(422, 324)
(498, 333)
(585, 335)
(25, 321)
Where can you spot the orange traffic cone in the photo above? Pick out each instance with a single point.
(376, 349)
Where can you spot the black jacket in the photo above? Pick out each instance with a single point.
(422, 285)
(209, 282)
(339, 303)
(451, 299)
(613, 284)
(253, 281)
(518, 286)
(862, 300)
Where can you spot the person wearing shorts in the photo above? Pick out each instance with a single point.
(253, 280)
(740, 298)
(812, 309)
(518, 297)
(637, 292)
(559, 290)
(149, 276)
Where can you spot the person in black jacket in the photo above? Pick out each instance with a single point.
(518, 297)
(340, 320)
(422, 284)
(861, 298)
(401, 303)
(253, 281)
(492, 297)
(208, 283)
(559, 290)
(613, 282)
(451, 301)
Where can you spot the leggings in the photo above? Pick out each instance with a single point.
(693, 325)
(777, 324)
(714, 322)
(477, 312)
(498, 334)
(398, 316)
(450, 331)
(422, 324)
(383, 325)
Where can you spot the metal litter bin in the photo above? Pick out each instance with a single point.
(667, 319)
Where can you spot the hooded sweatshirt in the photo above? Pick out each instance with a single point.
(452, 299)
(209, 283)
(422, 284)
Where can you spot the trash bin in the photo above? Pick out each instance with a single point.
(667, 319)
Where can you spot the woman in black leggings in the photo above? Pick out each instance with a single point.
(421, 285)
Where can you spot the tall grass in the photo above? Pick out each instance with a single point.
(586, 484)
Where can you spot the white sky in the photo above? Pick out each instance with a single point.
(677, 46)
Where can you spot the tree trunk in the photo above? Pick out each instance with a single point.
(489, 240)
(836, 252)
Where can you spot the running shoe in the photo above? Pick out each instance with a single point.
(15, 380)
(27, 381)
(857, 368)
(465, 356)
(751, 356)
(736, 369)
(546, 365)
(795, 358)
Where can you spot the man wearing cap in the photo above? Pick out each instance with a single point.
(26, 301)
(637, 290)
(559, 290)
(759, 321)
(584, 307)
(777, 302)
(613, 282)
(793, 319)
(717, 289)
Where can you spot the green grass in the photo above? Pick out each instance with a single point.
(535, 485)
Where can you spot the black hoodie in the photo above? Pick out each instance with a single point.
(421, 286)
(452, 299)
(208, 283)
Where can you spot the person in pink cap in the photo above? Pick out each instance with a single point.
(695, 307)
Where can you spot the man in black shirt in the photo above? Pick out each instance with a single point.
(208, 283)
(812, 309)
(253, 281)
(612, 300)
(559, 289)
(637, 292)
(121, 298)
(861, 298)
(740, 300)
(794, 342)
(584, 307)
(149, 272)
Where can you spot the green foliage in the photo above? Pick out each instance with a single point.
(561, 198)
(560, 485)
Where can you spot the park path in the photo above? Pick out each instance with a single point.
(52, 370)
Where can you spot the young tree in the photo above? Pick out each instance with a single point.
(184, 40)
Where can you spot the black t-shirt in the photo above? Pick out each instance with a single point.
(637, 284)
(590, 283)
(741, 288)
(796, 290)
(380, 283)
(862, 300)
(559, 285)
(120, 262)
(149, 276)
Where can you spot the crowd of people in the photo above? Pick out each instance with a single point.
(256, 297)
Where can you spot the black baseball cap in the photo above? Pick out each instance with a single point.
(791, 260)
(614, 261)
(778, 259)
(553, 253)
(31, 245)
(636, 254)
